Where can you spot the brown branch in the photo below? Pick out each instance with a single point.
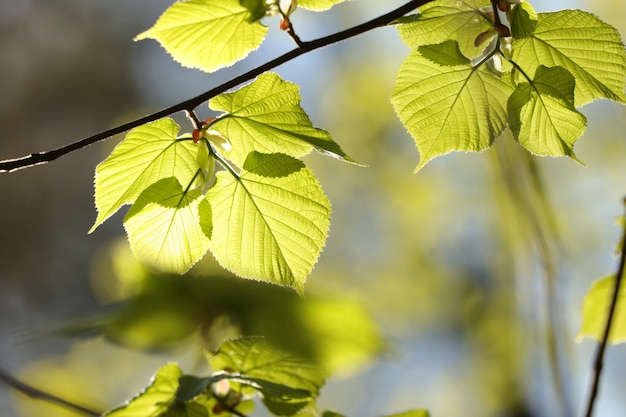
(38, 158)
(36, 393)
(599, 358)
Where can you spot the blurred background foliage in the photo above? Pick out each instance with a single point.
(456, 264)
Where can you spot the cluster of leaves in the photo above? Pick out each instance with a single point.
(263, 214)
(472, 72)
(235, 184)
(247, 367)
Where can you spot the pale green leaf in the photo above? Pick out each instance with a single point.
(449, 108)
(411, 413)
(148, 154)
(256, 8)
(542, 115)
(443, 20)
(270, 223)
(318, 5)
(523, 20)
(207, 34)
(591, 50)
(596, 309)
(154, 400)
(164, 227)
(265, 116)
(253, 357)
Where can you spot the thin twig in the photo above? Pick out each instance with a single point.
(599, 358)
(10, 165)
(36, 393)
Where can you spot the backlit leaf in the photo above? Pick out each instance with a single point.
(542, 115)
(449, 107)
(207, 34)
(164, 226)
(154, 400)
(271, 222)
(443, 20)
(266, 116)
(596, 308)
(318, 5)
(253, 357)
(148, 154)
(523, 19)
(591, 50)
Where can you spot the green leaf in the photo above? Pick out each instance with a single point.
(148, 154)
(167, 228)
(542, 115)
(449, 108)
(207, 34)
(318, 5)
(254, 358)
(411, 413)
(154, 400)
(446, 53)
(596, 309)
(265, 116)
(191, 386)
(270, 223)
(523, 19)
(591, 50)
(443, 20)
(256, 8)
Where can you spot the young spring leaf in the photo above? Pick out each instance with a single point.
(542, 115)
(447, 104)
(149, 153)
(265, 116)
(165, 226)
(156, 399)
(318, 5)
(253, 357)
(591, 50)
(269, 223)
(207, 34)
(523, 20)
(443, 20)
(596, 308)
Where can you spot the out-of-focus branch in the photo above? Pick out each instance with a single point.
(36, 393)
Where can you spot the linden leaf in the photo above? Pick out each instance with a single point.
(443, 20)
(148, 154)
(165, 228)
(542, 115)
(596, 309)
(523, 19)
(253, 357)
(318, 5)
(207, 34)
(156, 399)
(265, 116)
(591, 50)
(270, 223)
(449, 107)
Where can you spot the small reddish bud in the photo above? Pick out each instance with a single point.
(197, 135)
(504, 30)
(218, 409)
(284, 24)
